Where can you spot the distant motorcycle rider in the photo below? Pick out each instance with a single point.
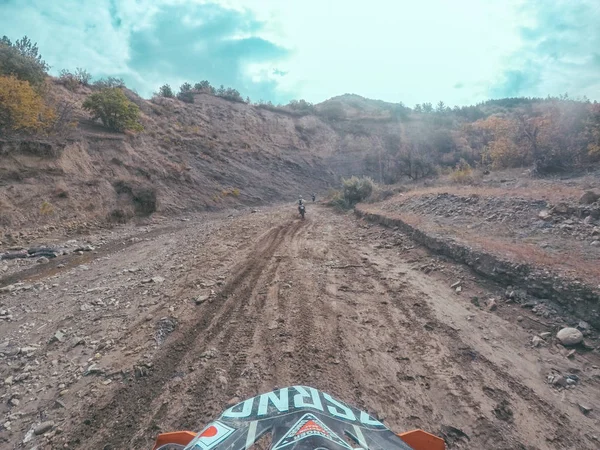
(313, 196)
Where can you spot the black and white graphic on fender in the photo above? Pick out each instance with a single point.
(306, 427)
(212, 435)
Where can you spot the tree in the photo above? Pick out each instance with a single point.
(427, 108)
(166, 91)
(185, 93)
(440, 107)
(115, 111)
(22, 109)
(22, 59)
(418, 108)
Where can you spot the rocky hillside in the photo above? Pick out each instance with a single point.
(211, 154)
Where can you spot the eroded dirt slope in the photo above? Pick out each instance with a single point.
(163, 329)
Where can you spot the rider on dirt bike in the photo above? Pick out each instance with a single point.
(301, 207)
(314, 196)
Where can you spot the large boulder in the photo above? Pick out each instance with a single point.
(569, 336)
(589, 197)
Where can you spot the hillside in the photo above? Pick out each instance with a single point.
(208, 155)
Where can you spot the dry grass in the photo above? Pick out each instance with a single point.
(555, 193)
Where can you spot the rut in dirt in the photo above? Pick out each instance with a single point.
(116, 421)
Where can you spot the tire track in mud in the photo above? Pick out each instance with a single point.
(130, 404)
(207, 395)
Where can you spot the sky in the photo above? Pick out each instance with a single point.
(458, 51)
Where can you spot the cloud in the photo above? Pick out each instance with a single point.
(559, 51)
(203, 41)
(151, 42)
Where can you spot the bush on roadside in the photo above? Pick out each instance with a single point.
(357, 189)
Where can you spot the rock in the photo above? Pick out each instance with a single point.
(458, 289)
(561, 208)
(571, 353)
(545, 334)
(520, 318)
(8, 380)
(583, 325)
(43, 260)
(536, 341)
(596, 231)
(77, 341)
(492, 305)
(201, 299)
(569, 336)
(210, 353)
(28, 437)
(589, 197)
(545, 214)
(455, 285)
(158, 280)
(585, 409)
(93, 369)
(588, 220)
(594, 243)
(43, 428)
(222, 380)
(59, 336)
(559, 380)
(14, 402)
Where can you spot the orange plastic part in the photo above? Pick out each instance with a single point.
(176, 437)
(421, 440)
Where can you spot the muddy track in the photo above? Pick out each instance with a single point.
(225, 325)
(322, 302)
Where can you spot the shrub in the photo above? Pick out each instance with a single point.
(46, 209)
(204, 86)
(117, 216)
(22, 108)
(333, 111)
(463, 174)
(72, 81)
(165, 91)
(337, 200)
(22, 59)
(109, 82)
(230, 94)
(301, 105)
(115, 111)
(68, 80)
(357, 189)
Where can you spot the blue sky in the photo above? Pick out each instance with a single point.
(457, 51)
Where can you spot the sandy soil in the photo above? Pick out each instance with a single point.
(330, 302)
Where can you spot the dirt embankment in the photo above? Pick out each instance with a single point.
(161, 329)
(541, 240)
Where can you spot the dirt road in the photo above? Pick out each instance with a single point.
(163, 329)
